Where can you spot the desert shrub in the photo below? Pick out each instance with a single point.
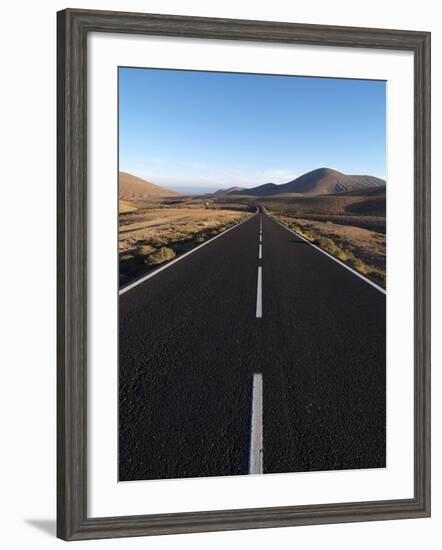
(301, 230)
(160, 240)
(306, 233)
(145, 250)
(160, 256)
(357, 264)
(126, 257)
(330, 246)
(378, 277)
(179, 236)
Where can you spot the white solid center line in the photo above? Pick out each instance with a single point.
(256, 445)
(259, 294)
(260, 252)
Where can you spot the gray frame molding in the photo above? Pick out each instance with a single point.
(73, 27)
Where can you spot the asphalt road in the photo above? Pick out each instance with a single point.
(224, 371)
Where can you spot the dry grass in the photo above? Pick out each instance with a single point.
(151, 235)
(364, 209)
(373, 223)
(360, 248)
(363, 203)
(125, 206)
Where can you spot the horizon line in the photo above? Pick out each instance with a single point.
(217, 186)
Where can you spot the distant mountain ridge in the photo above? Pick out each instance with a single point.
(228, 191)
(133, 188)
(322, 181)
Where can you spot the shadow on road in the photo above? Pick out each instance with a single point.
(293, 241)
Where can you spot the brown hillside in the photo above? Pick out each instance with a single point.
(322, 181)
(132, 188)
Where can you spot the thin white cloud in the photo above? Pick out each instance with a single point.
(199, 175)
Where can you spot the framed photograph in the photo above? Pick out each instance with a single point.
(243, 274)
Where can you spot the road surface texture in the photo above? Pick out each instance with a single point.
(256, 353)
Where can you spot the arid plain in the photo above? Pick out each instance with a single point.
(342, 214)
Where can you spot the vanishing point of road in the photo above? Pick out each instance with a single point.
(255, 353)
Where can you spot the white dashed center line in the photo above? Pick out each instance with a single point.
(256, 442)
(259, 294)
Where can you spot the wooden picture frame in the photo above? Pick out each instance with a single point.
(73, 28)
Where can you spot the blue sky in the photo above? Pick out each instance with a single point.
(199, 131)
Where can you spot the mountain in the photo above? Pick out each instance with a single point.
(327, 181)
(322, 181)
(228, 191)
(132, 188)
(262, 190)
